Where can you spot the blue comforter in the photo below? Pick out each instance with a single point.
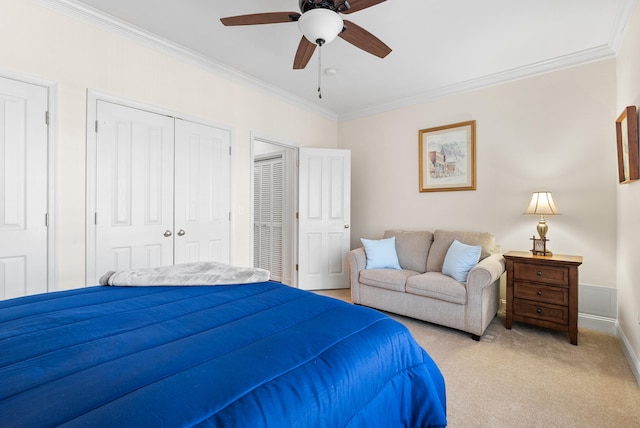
(226, 356)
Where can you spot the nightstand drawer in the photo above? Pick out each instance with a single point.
(541, 293)
(541, 311)
(540, 273)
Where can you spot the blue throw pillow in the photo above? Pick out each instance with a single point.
(381, 253)
(460, 259)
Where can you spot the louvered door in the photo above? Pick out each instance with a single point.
(268, 216)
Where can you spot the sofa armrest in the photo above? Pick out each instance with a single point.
(357, 260)
(483, 292)
(486, 272)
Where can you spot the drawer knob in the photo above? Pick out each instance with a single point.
(539, 293)
(539, 310)
(539, 273)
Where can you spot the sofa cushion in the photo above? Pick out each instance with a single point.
(437, 286)
(412, 248)
(460, 259)
(390, 279)
(443, 239)
(381, 253)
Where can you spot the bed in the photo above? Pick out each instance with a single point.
(250, 355)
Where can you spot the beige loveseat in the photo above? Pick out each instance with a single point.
(420, 290)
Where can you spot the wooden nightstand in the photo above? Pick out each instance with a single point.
(543, 291)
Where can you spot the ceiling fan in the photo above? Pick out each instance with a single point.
(320, 22)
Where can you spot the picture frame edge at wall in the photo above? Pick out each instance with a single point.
(627, 144)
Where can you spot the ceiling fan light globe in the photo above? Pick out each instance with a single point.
(320, 24)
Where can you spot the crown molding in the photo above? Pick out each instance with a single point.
(518, 73)
(95, 17)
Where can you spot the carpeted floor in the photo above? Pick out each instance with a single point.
(529, 376)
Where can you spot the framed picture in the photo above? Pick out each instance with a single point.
(540, 247)
(627, 139)
(448, 157)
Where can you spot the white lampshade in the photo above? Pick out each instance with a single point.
(542, 204)
(320, 24)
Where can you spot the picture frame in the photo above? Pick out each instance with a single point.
(447, 157)
(627, 142)
(539, 247)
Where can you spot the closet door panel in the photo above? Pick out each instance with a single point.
(134, 215)
(202, 193)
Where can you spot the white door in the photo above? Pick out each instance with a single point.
(134, 179)
(324, 216)
(23, 189)
(202, 193)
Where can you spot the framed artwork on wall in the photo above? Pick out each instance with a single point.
(627, 139)
(447, 157)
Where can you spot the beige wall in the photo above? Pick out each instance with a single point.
(629, 201)
(77, 56)
(551, 132)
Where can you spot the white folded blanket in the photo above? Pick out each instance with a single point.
(200, 273)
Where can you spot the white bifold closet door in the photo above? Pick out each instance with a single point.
(268, 226)
(163, 188)
(23, 188)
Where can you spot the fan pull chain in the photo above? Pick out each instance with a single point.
(320, 71)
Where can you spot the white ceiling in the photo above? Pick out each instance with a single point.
(439, 46)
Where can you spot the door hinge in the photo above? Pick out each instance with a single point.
(297, 216)
(298, 163)
(296, 267)
(46, 118)
(95, 218)
(96, 126)
(229, 215)
(46, 219)
(229, 150)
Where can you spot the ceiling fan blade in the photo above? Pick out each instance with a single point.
(261, 18)
(356, 5)
(361, 38)
(303, 54)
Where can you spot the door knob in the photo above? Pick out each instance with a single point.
(346, 226)
(167, 233)
(181, 232)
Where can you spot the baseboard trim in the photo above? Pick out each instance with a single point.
(632, 359)
(595, 322)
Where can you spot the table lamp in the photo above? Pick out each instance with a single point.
(541, 204)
